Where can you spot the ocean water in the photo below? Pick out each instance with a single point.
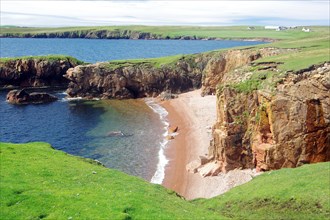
(82, 128)
(95, 50)
(128, 135)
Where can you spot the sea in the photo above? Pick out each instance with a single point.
(127, 135)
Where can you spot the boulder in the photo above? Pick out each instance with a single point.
(166, 95)
(173, 129)
(23, 97)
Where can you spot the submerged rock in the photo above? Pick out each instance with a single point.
(118, 134)
(115, 134)
(22, 97)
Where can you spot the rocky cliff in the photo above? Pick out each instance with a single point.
(149, 78)
(89, 34)
(220, 65)
(35, 72)
(136, 79)
(283, 125)
(112, 34)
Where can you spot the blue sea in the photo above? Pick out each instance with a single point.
(86, 128)
(96, 50)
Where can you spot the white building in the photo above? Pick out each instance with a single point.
(272, 27)
(306, 30)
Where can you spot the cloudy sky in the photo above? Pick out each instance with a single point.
(162, 12)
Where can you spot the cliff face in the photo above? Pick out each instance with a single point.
(218, 68)
(34, 72)
(101, 34)
(135, 80)
(144, 79)
(287, 127)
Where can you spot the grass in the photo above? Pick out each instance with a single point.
(258, 80)
(300, 193)
(224, 32)
(47, 57)
(152, 62)
(38, 182)
(311, 50)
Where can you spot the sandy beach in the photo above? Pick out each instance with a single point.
(195, 115)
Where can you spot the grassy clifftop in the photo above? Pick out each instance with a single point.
(230, 32)
(39, 182)
(46, 58)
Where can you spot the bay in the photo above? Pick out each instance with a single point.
(85, 128)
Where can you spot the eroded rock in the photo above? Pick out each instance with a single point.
(34, 72)
(287, 128)
(22, 97)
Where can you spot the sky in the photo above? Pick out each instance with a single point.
(161, 12)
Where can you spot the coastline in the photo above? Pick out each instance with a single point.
(195, 115)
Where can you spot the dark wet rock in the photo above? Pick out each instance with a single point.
(34, 72)
(23, 97)
(167, 96)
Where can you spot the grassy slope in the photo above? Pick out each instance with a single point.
(47, 57)
(313, 47)
(300, 193)
(40, 182)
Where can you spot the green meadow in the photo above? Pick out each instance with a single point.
(38, 182)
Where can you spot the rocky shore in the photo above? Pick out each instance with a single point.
(23, 97)
(35, 71)
(116, 34)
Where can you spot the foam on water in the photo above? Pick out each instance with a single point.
(66, 99)
(159, 175)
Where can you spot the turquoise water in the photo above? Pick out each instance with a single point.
(82, 127)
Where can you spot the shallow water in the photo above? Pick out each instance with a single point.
(81, 128)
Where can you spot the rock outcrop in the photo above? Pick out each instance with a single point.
(271, 130)
(113, 34)
(145, 79)
(136, 80)
(35, 72)
(218, 67)
(22, 97)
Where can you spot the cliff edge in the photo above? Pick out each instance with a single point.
(46, 71)
(271, 123)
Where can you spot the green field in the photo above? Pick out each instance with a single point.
(38, 182)
(230, 32)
